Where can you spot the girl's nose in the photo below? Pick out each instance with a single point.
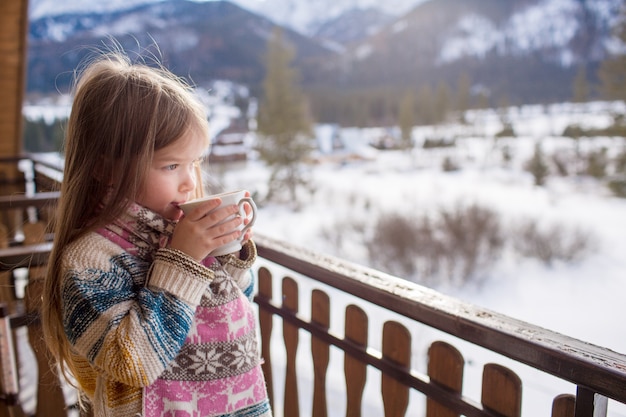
(188, 182)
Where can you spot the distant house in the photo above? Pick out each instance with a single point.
(230, 144)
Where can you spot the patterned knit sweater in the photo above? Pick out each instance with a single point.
(155, 333)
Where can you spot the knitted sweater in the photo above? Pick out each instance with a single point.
(155, 333)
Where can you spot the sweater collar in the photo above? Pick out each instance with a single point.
(139, 231)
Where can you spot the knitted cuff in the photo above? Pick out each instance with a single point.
(180, 275)
(245, 260)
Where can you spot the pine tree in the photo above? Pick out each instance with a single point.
(612, 71)
(406, 119)
(442, 102)
(283, 122)
(537, 166)
(581, 86)
(425, 108)
(463, 93)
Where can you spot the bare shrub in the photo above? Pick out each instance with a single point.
(472, 240)
(459, 245)
(393, 244)
(560, 162)
(551, 243)
(617, 184)
(456, 245)
(449, 165)
(597, 162)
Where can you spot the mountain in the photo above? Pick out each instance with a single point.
(514, 50)
(520, 50)
(308, 16)
(353, 26)
(200, 40)
(305, 17)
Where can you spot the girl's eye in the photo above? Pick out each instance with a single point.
(171, 167)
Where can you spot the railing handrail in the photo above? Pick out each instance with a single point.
(21, 200)
(25, 256)
(596, 368)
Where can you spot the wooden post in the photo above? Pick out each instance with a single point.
(320, 350)
(445, 367)
(589, 403)
(564, 405)
(502, 390)
(50, 397)
(266, 326)
(13, 39)
(290, 335)
(356, 329)
(397, 349)
(8, 368)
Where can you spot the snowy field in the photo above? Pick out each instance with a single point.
(582, 299)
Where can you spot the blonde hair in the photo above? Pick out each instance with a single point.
(121, 114)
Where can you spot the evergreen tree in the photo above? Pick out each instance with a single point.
(464, 86)
(537, 166)
(406, 119)
(442, 102)
(283, 126)
(612, 71)
(581, 86)
(425, 108)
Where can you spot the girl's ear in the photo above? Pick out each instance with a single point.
(99, 170)
(103, 172)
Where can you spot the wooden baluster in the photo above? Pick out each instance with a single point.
(266, 327)
(50, 397)
(355, 371)
(4, 236)
(397, 349)
(445, 367)
(8, 368)
(8, 347)
(320, 314)
(564, 405)
(290, 335)
(502, 390)
(7, 293)
(34, 233)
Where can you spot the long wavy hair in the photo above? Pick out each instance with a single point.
(122, 113)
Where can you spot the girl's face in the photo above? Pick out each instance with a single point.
(171, 179)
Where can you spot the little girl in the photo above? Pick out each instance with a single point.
(135, 311)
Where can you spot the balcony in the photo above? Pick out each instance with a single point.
(337, 338)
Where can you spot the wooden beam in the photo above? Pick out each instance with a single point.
(13, 41)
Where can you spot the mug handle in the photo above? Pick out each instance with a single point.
(250, 201)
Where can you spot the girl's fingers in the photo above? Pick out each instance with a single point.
(203, 209)
(226, 228)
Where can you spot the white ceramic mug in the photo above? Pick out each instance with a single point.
(228, 198)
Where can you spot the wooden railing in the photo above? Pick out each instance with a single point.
(595, 372)
(355, 346)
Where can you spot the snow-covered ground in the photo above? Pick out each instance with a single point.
(582, 299)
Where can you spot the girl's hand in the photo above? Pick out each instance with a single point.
(203, 230)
